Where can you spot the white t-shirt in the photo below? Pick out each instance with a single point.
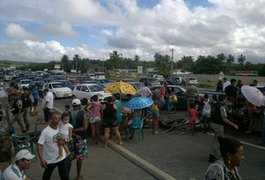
(226, 83)
(145, 91)
(207, 107)
(49, 98)
(48, 139)
(14, 173)
(64, 130)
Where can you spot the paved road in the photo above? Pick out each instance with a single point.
(179, 155)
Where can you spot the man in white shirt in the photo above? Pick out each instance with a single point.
(47, 104)
(145, 91)
(225, 84)
(48, 150)
(22, 162)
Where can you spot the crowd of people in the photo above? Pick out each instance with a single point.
(23, 101)
(66, 137)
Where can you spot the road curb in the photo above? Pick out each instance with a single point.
(140, 162)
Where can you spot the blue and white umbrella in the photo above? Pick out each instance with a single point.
(139, 103)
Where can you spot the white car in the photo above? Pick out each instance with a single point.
(24, 83)
(193, 80)
(58, 89)
(82, 91)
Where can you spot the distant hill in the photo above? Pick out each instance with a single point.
(8, 63)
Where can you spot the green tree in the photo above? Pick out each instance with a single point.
(207, 65)
(65, 62)
(241, 59)
(186, 62)
(221, 57)
(230, 59)
(136, 58)
(76, 60)
(116, 59)
(162, 63)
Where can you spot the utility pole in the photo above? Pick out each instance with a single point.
(76, 65)
(172, 54)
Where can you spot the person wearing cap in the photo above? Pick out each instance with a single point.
(78, 146)
(47, 104)
(16, 170)
(48, 150)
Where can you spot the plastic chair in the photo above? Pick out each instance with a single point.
(24, 142)
(137, 127)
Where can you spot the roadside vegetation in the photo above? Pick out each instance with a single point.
(201, 65)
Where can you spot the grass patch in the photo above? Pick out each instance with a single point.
(210, 85)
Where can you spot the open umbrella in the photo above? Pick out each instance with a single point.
(253, 95)
(139, 103)
(120, 88)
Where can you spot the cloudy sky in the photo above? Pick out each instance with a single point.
(44, 30)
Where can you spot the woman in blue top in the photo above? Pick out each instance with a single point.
(35, 96)
(119, 110)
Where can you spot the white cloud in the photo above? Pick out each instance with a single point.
(41, 51)
(229, 26)
(14, 30)
(62, 29)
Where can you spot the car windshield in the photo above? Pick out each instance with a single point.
(95, 88)
(58, 85)
(193, 79)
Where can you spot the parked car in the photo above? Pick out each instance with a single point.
(74, 82)
(157, 76)
(58, 89)
(150, 81)
(67, 83)
(193, 80)
(174, 80)
(82, 91)
(103, 82)
(24, 83)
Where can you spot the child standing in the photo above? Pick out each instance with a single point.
(65, 131)
(155, 113)
(95, 118)
(192, 117)
(206, 113)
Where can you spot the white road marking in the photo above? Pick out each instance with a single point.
(248, 144)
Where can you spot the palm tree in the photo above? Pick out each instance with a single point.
(116, 59)
(221, 57)
(230, 59)
(241, 59)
